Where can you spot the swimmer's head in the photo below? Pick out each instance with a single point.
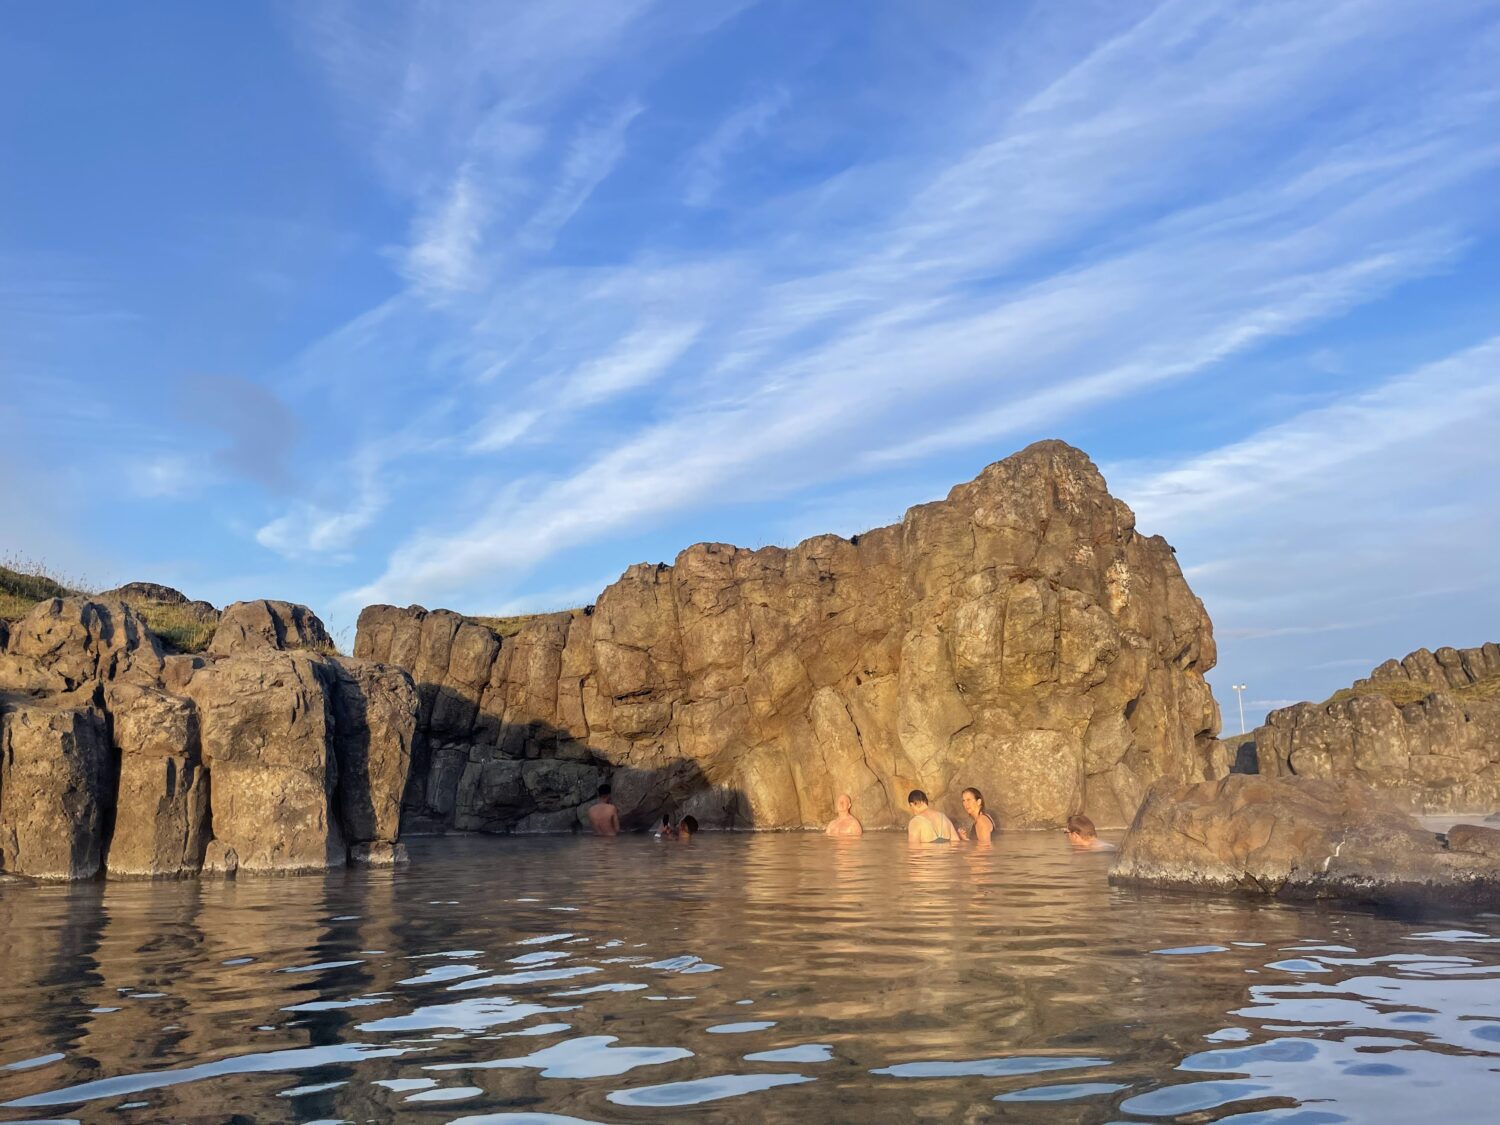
(688, 826)
(1081, 829)
(604, 790)
(845, 803)
(973, 801)
(917, 799)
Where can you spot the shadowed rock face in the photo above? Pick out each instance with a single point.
(1426, 728)
(251, 758)
(1019, 636)
(1300, 838)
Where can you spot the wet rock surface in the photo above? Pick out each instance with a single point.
(1020, 636)
(1299, 838)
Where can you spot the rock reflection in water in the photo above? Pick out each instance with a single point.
(885, 984)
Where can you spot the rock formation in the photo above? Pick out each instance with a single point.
(1020, 636)
(268, 754)
(1301, 838)
(1426, 728)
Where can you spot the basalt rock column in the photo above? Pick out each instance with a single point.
(1020, 636)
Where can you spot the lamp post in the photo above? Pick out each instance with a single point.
(1239, 691)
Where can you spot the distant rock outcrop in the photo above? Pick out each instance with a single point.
(1020, 636)
(1426, 728)
(1301, 838)
(268, 754)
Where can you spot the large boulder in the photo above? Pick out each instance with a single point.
(55, 789)
(375, 725)
(1296, 838)
(1425, 728)
(1020, 636)
(266, 725)
(246, 626)
(65, 643)
(162, 804)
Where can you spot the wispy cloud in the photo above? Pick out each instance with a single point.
(591, 156)
(706, 163)
(444, 251)
(942, 308)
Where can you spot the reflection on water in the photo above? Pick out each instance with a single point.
(743, 978)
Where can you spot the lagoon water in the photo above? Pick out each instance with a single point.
(775, 977)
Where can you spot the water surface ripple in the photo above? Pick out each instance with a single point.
(776, 977)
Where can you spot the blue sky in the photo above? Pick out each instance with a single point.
(475, 305)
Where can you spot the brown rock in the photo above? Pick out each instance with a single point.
(375, 723)
(269, 625)
(55, 789)
(1475, 838)
(72, 641)
(378, 854)
(1295, 838)
(161, 818)
(1425, 729)
(1020, 636)
(266, 727)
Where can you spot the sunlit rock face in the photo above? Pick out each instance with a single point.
(267, 754)
(1019, 636)
(1302, 837)
(1425, 728)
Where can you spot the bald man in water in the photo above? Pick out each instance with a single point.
(845, 823)
(928, 825)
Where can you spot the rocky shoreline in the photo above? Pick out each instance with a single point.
(1020, 636)
(267, 753)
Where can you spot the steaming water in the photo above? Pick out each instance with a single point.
(737, 978)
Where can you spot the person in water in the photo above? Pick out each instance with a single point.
(604, 818)
(665, 829)
(928, 825)
(845, 824)
(984, 823)
(1084, 836)
(687, 828)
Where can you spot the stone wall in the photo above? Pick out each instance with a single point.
(268, 754)
(1426, 728)
(1019, 636)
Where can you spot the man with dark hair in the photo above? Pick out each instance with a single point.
(1083, 835)
(928, 825)
(604, 818)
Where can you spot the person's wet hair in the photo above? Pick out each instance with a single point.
(604, 790)
(690, 823)
(1080, 825)
(916, 797)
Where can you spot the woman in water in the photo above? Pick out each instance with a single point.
(984, 823)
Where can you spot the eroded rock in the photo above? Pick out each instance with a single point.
(1426, 729)
(55, 789)
(246, 626)
(1020, 636)
(162, 801)
(375, 725)
(1296, 838)
(266, 725)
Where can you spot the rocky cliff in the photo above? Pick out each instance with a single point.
(266, 754)
(1426, 728)
(1020, 636)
